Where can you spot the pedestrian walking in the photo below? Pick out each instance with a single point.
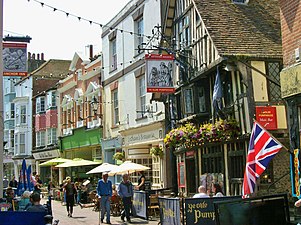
(125, 191)
(70, 191)
(104, 191)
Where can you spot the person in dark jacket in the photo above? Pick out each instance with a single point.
(125, 191)
(13, 183)
(70, 190)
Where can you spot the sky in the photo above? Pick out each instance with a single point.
(52, 32)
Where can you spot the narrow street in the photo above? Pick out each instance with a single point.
(87, 216)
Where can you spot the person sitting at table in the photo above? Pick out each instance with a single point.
(10, 198)
(24, 203)
(36, 205)
(202, 193)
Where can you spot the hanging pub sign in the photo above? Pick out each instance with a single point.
(267, 117)
(14, 59)
(159, 73)
(295, 173)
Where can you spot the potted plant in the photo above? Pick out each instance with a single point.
(156, 151)
(119, 156)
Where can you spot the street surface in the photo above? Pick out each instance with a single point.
(87, 216)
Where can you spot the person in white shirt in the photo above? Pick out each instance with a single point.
(202, 193)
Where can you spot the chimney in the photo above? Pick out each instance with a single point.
(33, 56)
(28, 55)
(38, 56)
(42, 56)
(91, 51)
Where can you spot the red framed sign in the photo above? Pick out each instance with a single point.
(159, 73)
(181, 174)
(14, 59)
(267, 117)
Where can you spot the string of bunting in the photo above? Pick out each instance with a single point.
(91, 22)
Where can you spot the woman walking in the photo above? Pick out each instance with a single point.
(70, 191)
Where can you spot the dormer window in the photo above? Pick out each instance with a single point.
(240, 1)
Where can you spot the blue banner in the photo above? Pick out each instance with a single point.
(140, 204)
(200, 211)
(169, 211)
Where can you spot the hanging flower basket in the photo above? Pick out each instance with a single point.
(157, 151)
(189, 135)
(119, 156)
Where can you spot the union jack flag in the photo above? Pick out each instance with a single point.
(262, 148)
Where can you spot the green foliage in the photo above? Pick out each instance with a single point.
(189, 135)
(157, 151)
(119, 156)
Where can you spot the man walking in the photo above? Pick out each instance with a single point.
(125, 191)
(104, 191)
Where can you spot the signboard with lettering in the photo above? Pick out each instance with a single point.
(14, 59)
(159, 73)
(201, 210)
(169, 211)
(267, 117)
(47, 154)
(142, 137)
(140, 204)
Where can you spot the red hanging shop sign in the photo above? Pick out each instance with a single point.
(267, 117)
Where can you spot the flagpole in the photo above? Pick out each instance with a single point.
(288, 150)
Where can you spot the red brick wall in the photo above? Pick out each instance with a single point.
(290, 15)
(40, 122)
(51, 119)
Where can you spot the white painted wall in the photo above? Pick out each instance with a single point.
(127, 87)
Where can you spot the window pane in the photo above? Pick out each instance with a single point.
(274, 73)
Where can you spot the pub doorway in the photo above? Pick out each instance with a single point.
(191, 175)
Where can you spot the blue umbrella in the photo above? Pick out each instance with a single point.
(22, 179)
(29, 179)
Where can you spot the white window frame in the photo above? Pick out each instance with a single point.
(40, 139)
(22, 143)
(51, 99)
(40, 104)
(113, 51)
(23, 114)
(115, 107)
(141, 95)
(51, 136)
(139, 29)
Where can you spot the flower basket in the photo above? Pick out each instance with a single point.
(119, 156)
(157, 151)
(189, 135)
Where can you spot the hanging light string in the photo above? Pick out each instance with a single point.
(91, 22)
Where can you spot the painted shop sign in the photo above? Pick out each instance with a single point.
(46, 154)
(142, 137)
(267, 117)
(290, 80)
(201, 210)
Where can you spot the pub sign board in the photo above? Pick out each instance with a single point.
(267, 117)
(200, 211)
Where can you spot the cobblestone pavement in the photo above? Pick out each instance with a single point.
(88, 216)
